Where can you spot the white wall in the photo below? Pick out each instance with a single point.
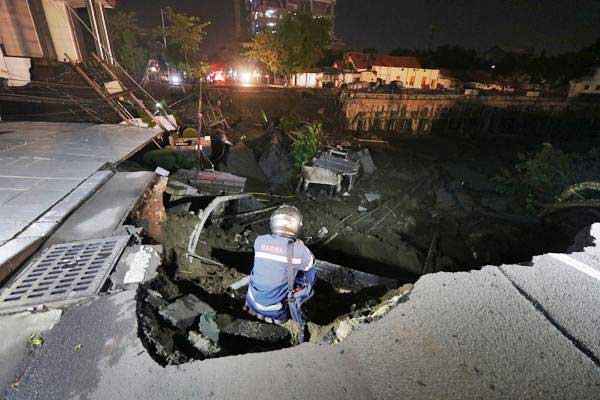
(410, 77)
(60, 29)
(590, 85)
(15, 69)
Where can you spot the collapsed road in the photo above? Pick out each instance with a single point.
(502, 332)
(150, 330)
(142, 288)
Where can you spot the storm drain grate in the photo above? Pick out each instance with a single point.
(64, 272)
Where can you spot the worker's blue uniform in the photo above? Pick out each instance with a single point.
(268, 290)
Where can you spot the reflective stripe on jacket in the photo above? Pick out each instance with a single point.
(268, 287)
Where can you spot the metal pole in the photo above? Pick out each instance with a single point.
(162, 16)
(200, 110)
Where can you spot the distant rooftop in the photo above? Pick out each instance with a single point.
(367, 61)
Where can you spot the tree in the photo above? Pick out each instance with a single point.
(127, 40)
(298, 44)
(302, 41)
(184, 35)
(264, 48)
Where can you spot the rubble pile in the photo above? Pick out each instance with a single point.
(384, 209)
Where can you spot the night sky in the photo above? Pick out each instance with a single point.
(554, 25)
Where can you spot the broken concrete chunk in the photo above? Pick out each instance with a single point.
(208, 326)
(345, 329)
(216, 327)
(185, 311)
(381, 311)
(322, 232)
(137, 264)
(275, 163)
(371, 197)
(204, 345)
(257, 330)
(241, 161)
(176, 188)
(154, 298)
(366, 162)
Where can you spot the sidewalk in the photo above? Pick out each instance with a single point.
(49, 169)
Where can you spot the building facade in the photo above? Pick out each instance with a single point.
(53, 30)
(589, 85)
(407, 72)
(265, 14)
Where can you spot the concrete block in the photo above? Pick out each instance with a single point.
(185, 311)
(204, 345)
(366, 162)
(257, 330)
(137, 264)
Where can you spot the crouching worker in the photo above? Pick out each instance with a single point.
(283, 275)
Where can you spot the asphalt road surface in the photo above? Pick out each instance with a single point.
(519, 332)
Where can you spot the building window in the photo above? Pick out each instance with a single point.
(597, 87)
(586, 87)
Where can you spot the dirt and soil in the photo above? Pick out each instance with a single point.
(431, 205)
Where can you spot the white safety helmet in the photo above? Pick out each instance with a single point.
(286, 221)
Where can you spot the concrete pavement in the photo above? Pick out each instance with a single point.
(42, 163)
(503, 332)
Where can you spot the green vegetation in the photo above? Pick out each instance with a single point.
(189, 133)
(298, 44)
(184, 35)
(147, 120)
(540, 178)
(169, 159)
(128, 39)
(307, 146)
(288, 123)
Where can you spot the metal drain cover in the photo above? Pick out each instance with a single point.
(64, 272)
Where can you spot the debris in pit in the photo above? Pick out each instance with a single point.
(275, 161)
(372, 197)
(232, 332)
(211, 182)
(179, 190)
(185, 311)
(137, 264)
(363, 157)
(204, 345)
(241, 161)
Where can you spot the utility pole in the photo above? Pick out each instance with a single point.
(162, 17)
(200, 109)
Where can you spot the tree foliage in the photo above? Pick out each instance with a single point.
(537, 68)
(308, 146)
(298, 44)
(538, 179)
(128, 40)
(184, 35)
(264, 48)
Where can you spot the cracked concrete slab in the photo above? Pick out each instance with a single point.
(471, 335)
(568, 296)
(462, 335)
